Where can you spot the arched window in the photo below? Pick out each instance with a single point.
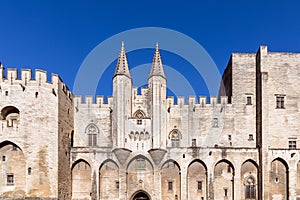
(92, 132)
(11, 115)
(139, 115)
(175, 137)
(250, 188)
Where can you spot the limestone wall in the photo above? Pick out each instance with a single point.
(65, 134)
(34, 131)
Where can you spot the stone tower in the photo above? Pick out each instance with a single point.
(35, 138)
(157, 87)
(122, 86)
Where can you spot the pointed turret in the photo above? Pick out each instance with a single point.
(157, 84)
(122, 87)
(122, 65)
(157, 67)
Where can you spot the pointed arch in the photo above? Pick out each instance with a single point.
(108, 160)
(282, 161)
(175, 134)
(172, 161)
(249, 179)
(227, 162)
(200, 161)
(170, 180)
(91, 128)
(251, 161)
(175, 137)
(139, 114)
(279, 178)
(92, 132)
(7, 142)
(109, 180)
(197, 179)
(13, 168)
(81, 179)
(224, 172)
(140, 156)
(139, 193)
(80, 160)
(140, 172)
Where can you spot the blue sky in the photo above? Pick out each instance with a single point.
(58, 35)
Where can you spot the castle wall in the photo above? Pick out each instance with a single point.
(154, 180)
(34, 131)
(91, 112)
(279, 78)
(241, 146)
(65, 131)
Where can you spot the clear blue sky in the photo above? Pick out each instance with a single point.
(57, 35)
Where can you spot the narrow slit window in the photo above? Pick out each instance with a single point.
(249, 101)
(29, 170)
(225, 192)
(199, 185)
(170, 185)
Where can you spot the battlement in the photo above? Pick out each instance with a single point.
(91, 101)
(143, 92)
(25, 77)
(202, 101)
(99, 102)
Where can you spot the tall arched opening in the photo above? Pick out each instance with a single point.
(13, 170)
(109, 180)
(279, 181)
(140, 195)
(140, 175)
(197, 180)
(249, 180)
(170, 180)
(81, 180)
(224, 180)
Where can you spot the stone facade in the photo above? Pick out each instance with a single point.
(243, 144)
(35, 130)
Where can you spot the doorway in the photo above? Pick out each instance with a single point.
(141, 195)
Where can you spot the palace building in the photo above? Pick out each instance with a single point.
(243, 144)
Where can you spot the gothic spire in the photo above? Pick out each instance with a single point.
(122, 65)
(157, 67)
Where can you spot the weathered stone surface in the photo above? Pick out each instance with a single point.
(157, 155)
(240, 145)
(122, 154)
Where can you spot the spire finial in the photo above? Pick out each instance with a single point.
(157, 67)
(122, 65)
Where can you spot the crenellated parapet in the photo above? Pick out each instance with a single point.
(201, 103)
(25, 78)
(144, 91)
(90, 101)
